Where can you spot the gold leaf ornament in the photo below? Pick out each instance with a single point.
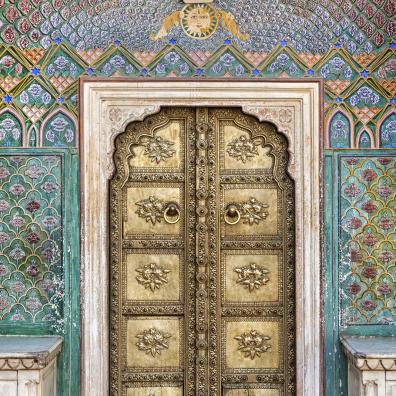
(178, 18)
(169, 22)
(228, 23)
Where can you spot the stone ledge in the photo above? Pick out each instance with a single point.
(370, 353)
(28, 352)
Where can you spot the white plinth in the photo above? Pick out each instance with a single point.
(371, 365)
(28, 365)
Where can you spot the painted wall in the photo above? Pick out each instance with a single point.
(45, 46)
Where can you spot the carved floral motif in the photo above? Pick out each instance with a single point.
(252, 344)
(151, 209)
(153, 341)
(158, 149)
(152, 276)
(253, 211)
(242, 149)
(252, 276)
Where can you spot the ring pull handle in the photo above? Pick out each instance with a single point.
(232, 214)
(172, 213)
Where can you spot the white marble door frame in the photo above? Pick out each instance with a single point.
(107, 106)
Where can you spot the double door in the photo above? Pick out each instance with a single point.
(202, 257)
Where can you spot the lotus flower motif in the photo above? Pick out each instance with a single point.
(153, 341)
(252, 276)
(242, 149)
(152, 276)
(252, 344)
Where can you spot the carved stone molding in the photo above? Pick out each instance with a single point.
(283, 117)
(371, 353)
(375, 364)
(21, 364)
(371, 364)
(28, 352)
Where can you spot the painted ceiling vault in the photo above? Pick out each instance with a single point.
(308, 26)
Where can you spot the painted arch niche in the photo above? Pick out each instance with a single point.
(11, 129)
(59, 129)
(339, 131)
(365, 139)
(388, 131)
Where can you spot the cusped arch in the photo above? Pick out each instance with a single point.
(8, 131)
(32, 136)
(59, 129)
(365, 139)
(339, 130)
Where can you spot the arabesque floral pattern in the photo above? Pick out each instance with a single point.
(31, 270)
(368, 240)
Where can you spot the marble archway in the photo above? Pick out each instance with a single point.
(107, 106)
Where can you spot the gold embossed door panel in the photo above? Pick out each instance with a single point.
(202, 257)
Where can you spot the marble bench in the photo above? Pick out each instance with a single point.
(371, 365)
(28, 365)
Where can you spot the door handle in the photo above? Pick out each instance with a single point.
(232, 215)
(172, 213)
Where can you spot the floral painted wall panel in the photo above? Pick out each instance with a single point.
(31, 268)
(388, 131)
(11, 130)
(367, 240)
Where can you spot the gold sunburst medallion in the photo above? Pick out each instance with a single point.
(199, 21)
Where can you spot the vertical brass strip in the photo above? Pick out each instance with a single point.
(190, 254)
(214, 256)
(202, 252)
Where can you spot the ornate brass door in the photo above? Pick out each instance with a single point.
(202, 257)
